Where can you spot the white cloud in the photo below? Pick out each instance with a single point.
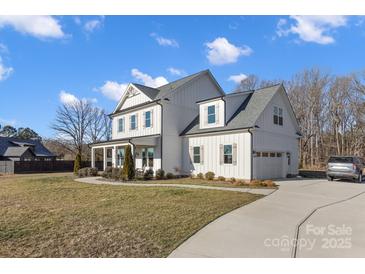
(68, 98)
(315, 29)
(148, 80)
(113, 90)
(166, 42)
(221, 52)
(5, 72)
(238, 78)
(37, 26)
(3, 48)
(92, 25)
(176, 71)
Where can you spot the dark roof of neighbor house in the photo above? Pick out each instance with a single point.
(14, 147)
(246, 114)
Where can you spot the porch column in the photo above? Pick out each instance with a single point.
(104, 157)
(114, 156)
(92, 157)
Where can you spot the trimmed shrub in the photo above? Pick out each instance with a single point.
(268, 183)
(88, 172)
(116, 173)
(160, 174)
(200, 175)
(77, 163)
(233, 180)
(221, 178)
(148, 174)
(107, 173)
(128, 166)
(169, 175)
(209, 175)
(241, 183)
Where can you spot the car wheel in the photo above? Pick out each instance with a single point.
(360, 178)
(329, 178)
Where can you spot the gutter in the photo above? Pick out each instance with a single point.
(161, 134)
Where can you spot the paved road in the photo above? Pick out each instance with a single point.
(325, 219)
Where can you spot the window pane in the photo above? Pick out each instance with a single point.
(148, 118)
(211, 114)
(265, 154)
(121, 124)
(196, 159)
(280, 112)
(227, 154)
(211, 110)
(281, 121)
(133, 122)
(278, 154)
(272, 154)
(276, 111)
(276, 119)
(196, 156)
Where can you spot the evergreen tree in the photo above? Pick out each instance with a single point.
(128, 166)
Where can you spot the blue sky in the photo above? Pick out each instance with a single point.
(47, 60)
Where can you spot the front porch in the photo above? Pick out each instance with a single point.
(146, 152)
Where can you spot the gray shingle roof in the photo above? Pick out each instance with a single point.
(162, 91)
(10, 145)
(245, 116)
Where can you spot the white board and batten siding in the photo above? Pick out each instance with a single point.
(219, 113)
(270, 137)
(135, 99)
(141, 129)
(179, 111)
(212, 159)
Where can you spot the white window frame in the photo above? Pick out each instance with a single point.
(150, 119)
(224, 154)
(121, 120)
(135, 122)
(212, 114)
(278, 114)
(195, 154)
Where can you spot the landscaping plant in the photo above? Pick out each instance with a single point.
(128, 166)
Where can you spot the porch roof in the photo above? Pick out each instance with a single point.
(147, 140)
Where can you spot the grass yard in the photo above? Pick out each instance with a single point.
(53, 216)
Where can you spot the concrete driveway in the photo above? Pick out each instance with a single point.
(304, 218)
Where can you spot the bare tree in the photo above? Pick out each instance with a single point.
(72, 122)
(100, 126)
(252, 82)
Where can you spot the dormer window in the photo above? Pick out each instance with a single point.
(211, 114)
(278, 116)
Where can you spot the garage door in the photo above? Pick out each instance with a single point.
(268, 165)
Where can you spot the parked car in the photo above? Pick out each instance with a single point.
(345, 167)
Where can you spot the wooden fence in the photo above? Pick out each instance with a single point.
(19, 167)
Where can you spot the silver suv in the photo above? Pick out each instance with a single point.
(345, 167)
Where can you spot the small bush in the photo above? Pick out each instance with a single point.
(160, 174)
(221, 178)
(169, 175)
(268, 183)
(88, 172)
(116, 173)
(241, 183)
(148, 174)
(233, 180)
(107, 172)
(200, 175)
(209, 175)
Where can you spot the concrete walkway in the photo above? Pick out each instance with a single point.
(100, 181)
(295, 221)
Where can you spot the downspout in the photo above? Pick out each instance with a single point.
(161, 147)
(251, 154)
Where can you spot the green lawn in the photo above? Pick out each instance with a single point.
(53, 216)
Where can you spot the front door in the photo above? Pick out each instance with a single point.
(148, 154)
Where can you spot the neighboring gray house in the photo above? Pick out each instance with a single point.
(192, 126)
(14, 149)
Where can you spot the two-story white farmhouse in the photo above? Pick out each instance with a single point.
(192, 126)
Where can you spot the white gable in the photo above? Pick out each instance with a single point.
(131, 97)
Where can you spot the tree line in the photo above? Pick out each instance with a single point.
(330, 111)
